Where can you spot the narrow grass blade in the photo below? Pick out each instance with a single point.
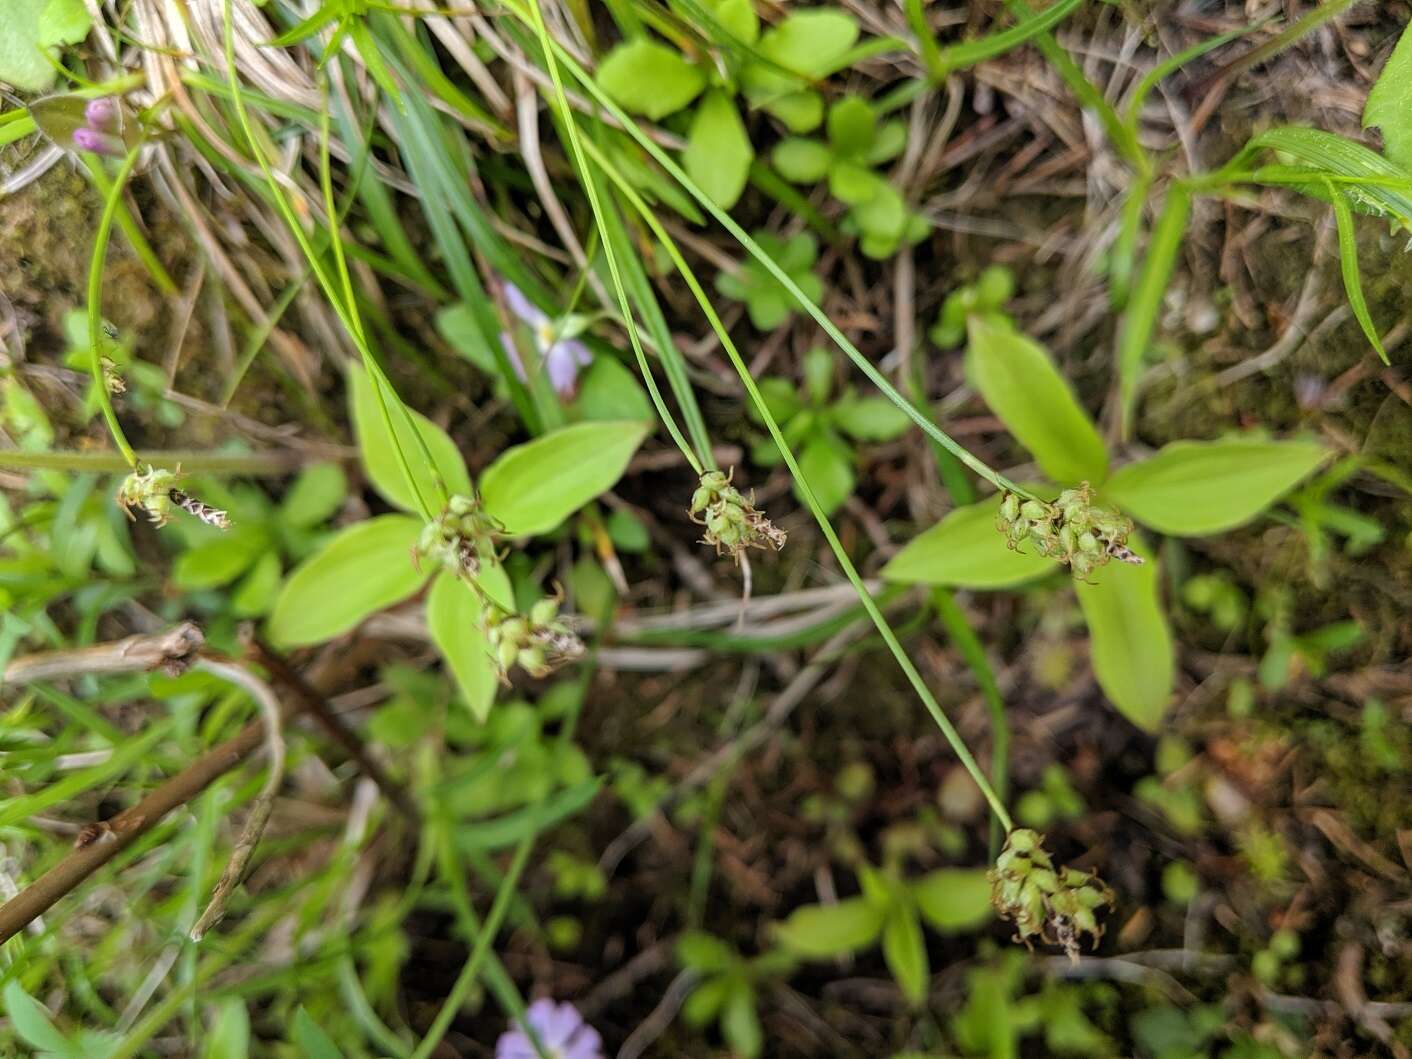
(1348, 265)
(1140, 320)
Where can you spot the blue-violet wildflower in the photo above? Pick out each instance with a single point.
(562, 357)
(99, 133)
(560, 1029)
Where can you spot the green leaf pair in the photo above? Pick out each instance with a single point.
(530, 489)
(1189, 488)
(891, 910)
(766, 300)
(817, 427)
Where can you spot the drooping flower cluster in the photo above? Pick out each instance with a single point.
(538, 643)
(561, 1031)
(154, 492)
(1056, 906)
(1071, 530)
(459, 538)
(101, 128)
(731, 521)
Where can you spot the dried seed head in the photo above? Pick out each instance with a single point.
(1058, 907)
(459, 538)
(538, 643)
(732, 523)
(1071, 530)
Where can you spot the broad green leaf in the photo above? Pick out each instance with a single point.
(1389, 105)
(1022, 385)
(361, 570)
(454, 621)
(257, 589)
(906, 953)
(1130, 644)
(380, 459)
(801, 160)
(312, 1041)
(230, 1036)
(533, 487)
(458, 326)
(809, 42)
(315, 495)
(822, 931)
(954, 899)
(30, 31)
(609, 391)
(965, 550)
(31, 1022)
(1194, 488)
(221, 560)
(705, 1002)
(740, 1024)
(800, 111)
(704, 952)
(648, 78)
(718, 151)
(827, 465)
(738, 18)
(872, 418)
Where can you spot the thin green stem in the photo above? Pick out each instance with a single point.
(347, 315)
(805, 302)
(619, 289)
(95, 304)
(479, 951)
(196, 461)
(140, 246)
(845, 563)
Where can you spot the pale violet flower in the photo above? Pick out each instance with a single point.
(560, 1029)
(562, 356)
(99, 133)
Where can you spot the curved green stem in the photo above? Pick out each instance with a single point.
(590, 184)
(95, 304)
(953, 737)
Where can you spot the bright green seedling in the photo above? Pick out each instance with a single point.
(766, 300)
(773, 71)
(891, 911)
(263, 537)
(31, 1024)
(471, 614)
(990, 292)
(857, 144)
(1289, 653)
(728, 988)
(1054, 799)
(1187, 489)
(819, 427)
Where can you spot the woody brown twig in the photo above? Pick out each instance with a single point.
(316, 706)
(170, 650)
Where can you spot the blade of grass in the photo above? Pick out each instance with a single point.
(803, 300)
(845, 563)
(1141, 317)
(95, 304)
(128, 224)
(1348, 266)
(942, 62)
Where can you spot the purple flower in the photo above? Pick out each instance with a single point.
(101, 115)
(560, 1029)
(88, 139)
(562, 357)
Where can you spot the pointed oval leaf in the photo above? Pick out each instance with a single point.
(965, 550)
(718, 151)
(740, 1024)
(361, 570)
(648, 78)
(380, 460)
(1019, 380)
(30, 1020)
(454, 621)
(1129, 642)
(822, 931)
(533, 487)
(954, 899)
(1192, 488)
(906, 953)
(313, 1042)
(809, 42)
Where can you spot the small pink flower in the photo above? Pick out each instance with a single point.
(101, 115)
(562, 357)
(89, 139)
(560, 1029)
